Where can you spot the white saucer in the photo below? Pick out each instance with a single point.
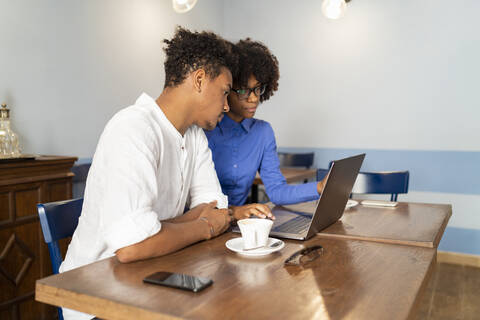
(351, 203)
(236, 245)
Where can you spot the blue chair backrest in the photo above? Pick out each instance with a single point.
(79, 179)
(392, 183)
(58, 220)
(296, 159)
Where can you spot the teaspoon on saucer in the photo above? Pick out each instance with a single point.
(270, 246)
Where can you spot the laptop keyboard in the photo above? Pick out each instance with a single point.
(296, 225)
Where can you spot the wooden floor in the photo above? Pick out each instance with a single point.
(452, 293)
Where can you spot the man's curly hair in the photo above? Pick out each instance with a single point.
(189, 51)
(256, 59)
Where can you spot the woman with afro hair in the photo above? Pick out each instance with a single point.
(242, 145)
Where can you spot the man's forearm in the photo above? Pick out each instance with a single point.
(190, 215)
(172, 237)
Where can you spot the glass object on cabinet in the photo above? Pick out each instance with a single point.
(9, 146)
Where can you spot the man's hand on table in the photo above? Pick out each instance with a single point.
(217, 220)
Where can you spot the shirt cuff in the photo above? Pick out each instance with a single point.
(222, 200)
(132, 228)
(311, 191)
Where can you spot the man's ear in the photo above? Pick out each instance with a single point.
(199, 79)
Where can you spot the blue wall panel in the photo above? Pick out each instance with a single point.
(432, 171)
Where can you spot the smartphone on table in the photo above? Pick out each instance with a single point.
(178, 280)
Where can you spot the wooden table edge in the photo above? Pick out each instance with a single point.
(441, 231)
(100, 307)
(424, 244)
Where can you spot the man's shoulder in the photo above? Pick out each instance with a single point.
(136, 116)
(131, 114)
(133, 123)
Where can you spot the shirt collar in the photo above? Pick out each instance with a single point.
(247, 123)
(147, 101)
(228, 124)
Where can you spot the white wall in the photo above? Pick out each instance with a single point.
(67, 66)
(389, 75)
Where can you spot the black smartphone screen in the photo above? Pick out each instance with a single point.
(177, 280)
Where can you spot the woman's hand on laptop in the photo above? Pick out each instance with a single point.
(254, 209)
(321, 184)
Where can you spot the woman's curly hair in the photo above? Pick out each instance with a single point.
(189, 51)
(256, 59)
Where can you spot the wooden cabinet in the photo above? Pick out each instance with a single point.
(24, 256)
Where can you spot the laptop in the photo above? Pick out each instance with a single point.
(298, 225)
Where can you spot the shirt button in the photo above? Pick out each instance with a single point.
(234, 165)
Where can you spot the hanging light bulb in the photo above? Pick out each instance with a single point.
(182, 6)
(334, 9)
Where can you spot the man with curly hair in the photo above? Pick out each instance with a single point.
(242, 145)
(152, 163)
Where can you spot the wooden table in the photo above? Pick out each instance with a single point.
(290, 174)
(351, 280)
(417, 224)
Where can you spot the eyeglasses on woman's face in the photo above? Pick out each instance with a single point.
(244, 93)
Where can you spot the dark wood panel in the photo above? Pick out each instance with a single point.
(26, 198)
(8, 266)
(24, 256)
(351, 280)
(21, 266)
(5, 212)
(31, 310)
(8, 314)
(60, 189)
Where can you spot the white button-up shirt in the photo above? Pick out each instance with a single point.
(143, 171)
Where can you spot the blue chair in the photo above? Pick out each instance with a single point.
(79, 180)
(393, 182)
(296, 159)
(58, 220)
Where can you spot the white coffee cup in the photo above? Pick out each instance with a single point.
(254, 232)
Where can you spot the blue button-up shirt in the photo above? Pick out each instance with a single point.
(239, 150)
